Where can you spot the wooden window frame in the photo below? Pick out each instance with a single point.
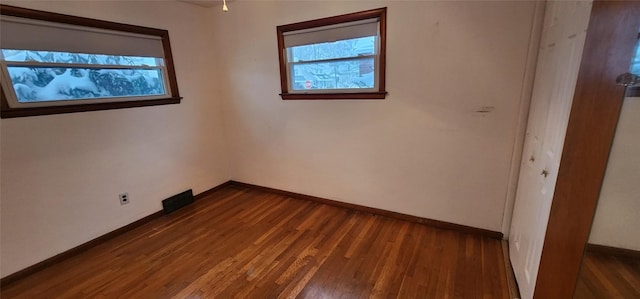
(380, 13)
(7, 112)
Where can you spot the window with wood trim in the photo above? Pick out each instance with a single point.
(341, 57)
(52, 63)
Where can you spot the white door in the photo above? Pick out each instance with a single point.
(559, 57)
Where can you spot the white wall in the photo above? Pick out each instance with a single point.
(423, 151)
(61, 174)
(616, 223)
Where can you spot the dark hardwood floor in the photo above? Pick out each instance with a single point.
(244, 243)
(605, 276)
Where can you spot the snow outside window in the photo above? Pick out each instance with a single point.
(341, 65)
(634, 91)
(635, 62)
(42, 77)
(337, 57)
(81, 65)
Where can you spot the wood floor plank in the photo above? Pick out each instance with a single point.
(244, 243)
(606, 276)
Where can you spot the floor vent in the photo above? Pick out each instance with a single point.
(177, 201)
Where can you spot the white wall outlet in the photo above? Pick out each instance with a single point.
(124, 198)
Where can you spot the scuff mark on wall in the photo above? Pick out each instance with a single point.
(483, 110)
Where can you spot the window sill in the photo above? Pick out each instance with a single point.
(633, 92)
(24, 112)
(335, 96)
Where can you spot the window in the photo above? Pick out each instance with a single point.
(52, 63)
(634, 91)
(340, 57)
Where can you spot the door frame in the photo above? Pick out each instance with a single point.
(610, 41)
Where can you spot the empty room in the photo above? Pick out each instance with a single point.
(319, 149)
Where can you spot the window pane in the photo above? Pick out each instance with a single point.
(635, 63)
(77, 58)
(51, 84)
(342, 74)
(338, 49)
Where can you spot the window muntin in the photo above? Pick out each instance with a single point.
(52, 63)
(337, 57)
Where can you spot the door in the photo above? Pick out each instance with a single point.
(610, 41)
(559, 57)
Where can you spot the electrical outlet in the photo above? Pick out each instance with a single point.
(124, 198)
